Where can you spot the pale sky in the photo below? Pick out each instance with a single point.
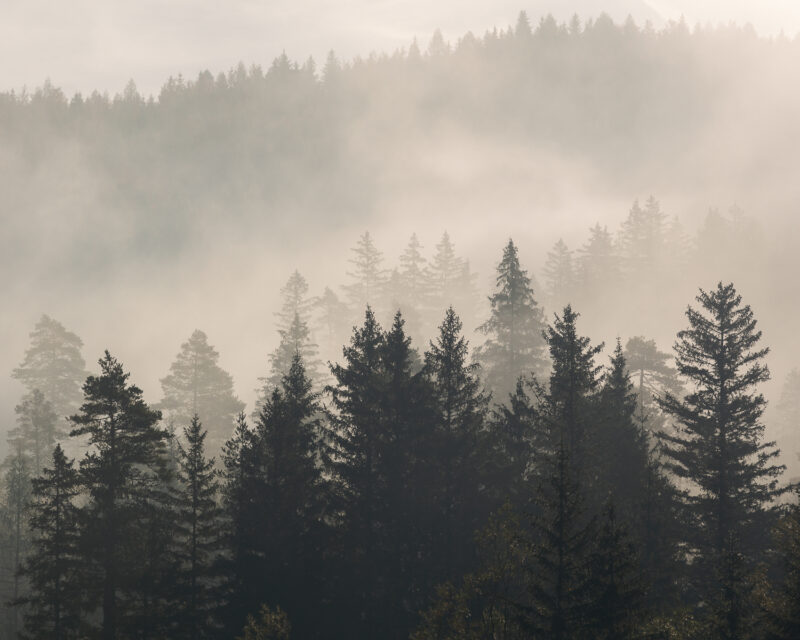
(83, 45)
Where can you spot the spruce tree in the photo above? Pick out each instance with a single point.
(196, 385)
(460, 406)
(445, 272)
(197, 536)
(514, 346)
(653, 376)
(54, 365)
(597, 265)
(37, 429)
(290, 498)
(295, 341)
(353, 460)
(53, 568)
(117, 473)
(719, 448)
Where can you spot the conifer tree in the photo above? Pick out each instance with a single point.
(559, 274)
(125, 456)
(239, 565)
(446, 272)
(367, 276)
(782, 599)
(14, 514)
(514, 346)
(37, 430)
(196, 385)
(597, 265)
(53, 568)
(786, 418)
(197, 536)
(353, 459)
(290, 497)
(460, 406)
(295, 341)
(719, 447)
(54, 365)
(295, 301)
(653, 377)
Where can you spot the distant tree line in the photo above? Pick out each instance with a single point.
(530, 491)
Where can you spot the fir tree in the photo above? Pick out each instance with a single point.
(36, 431)
(446, 271)
(597, 265)
(197, 536)
(719, 447)
(196, 385)
(53, 568)
(295, 301)
(54, 365)
(125, 455)
(653, 377)
(295, 341)
(515, 346)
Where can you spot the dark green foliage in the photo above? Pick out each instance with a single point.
(782, 599)
(54, 365)
(122, 477)
(196, 537)
(53, 569)
(196, 385)
(719, 447)
(514, 346)
(37, 429)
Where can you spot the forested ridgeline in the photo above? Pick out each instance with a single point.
(537, 490)
(327, 142)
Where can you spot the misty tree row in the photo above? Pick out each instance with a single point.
(625, 500)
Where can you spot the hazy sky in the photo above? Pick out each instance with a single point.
(84, 44)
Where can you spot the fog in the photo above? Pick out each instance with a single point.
(162, 174)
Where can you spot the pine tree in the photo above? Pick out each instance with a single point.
(559, 274)
(197, 536)
(446, 272)
(367, 275)
(126, 447)
(460, 407)
(53, 567)
(196, 385)
(36, 431)
(515, 346)
(54, 365)
(719, 447)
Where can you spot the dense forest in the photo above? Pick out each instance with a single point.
(437, 435)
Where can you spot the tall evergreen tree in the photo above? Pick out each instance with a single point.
(54, 365)
(196, 385)
(295, 301)
(559, 274)
(446, 271)
(461, 407)
(37, 429)
(295, 341)
(719, 448)
(14, 514)
(290, 498)
(514, 346)
(597, 269)
(54, 603)
(197, 536)
(786, 418)
(126, 446)
(367, 276)
(653, 377)
(353, 459)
